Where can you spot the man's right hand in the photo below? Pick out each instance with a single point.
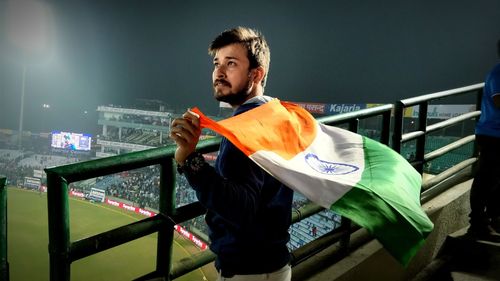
(185, 132)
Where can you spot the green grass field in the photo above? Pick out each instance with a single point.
(28, 242)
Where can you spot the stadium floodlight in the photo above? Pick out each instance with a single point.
(21, 110)
(45, 110)
(29, 31)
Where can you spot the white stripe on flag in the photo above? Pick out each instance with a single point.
(325, 171)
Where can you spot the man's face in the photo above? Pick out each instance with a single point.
(231, 77)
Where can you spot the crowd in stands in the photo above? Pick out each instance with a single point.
(140, 119)
(310, 228)
(136, 136)
(16, 165)
(40, 161)
(141, 187)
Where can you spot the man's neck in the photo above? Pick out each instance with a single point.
(258, 92)
(260, 98)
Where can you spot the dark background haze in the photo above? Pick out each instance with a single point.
(81, 54)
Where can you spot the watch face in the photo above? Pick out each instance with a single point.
(194, 163)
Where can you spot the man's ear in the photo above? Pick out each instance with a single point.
(257, 74)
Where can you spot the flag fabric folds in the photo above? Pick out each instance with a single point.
(355, 176)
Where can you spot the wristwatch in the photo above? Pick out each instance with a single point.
(194, 162)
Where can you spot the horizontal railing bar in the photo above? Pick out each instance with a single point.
(115, 237)
(448, 173)
(360, 114)
(438, 188)
(113, 164)
(187, 212)
(190, 263)
(440, 125)
(331, 254)
(439, 95)
(411, 136)
(449, 147)
(98, 243)
(317, 245)
(452, 121)
(155, 275)
(306, 211)
(129, 161)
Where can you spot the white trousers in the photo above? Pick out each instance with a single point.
(282, 274)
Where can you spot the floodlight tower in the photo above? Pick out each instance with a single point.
(28, 24)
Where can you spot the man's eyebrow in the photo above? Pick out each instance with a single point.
(227, 58)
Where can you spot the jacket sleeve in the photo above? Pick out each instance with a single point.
(237, 200)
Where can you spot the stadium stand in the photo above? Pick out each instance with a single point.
(312, 227)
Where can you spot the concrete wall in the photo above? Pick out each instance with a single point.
(449, 213)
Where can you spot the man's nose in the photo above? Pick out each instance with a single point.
(220, 72)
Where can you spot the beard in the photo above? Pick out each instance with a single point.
(234, 98)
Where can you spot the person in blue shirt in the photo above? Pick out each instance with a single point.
(485, 190)
(248, 211)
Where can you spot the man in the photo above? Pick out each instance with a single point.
(248, 211)
(485, 191)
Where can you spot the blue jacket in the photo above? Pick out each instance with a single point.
(489, 121)
(248, 211)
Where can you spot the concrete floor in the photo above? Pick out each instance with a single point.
(473, 260)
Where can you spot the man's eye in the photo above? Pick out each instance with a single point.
(231, 63)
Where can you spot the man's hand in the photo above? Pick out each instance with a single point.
(185, 132)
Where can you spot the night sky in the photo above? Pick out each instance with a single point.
(81, 54)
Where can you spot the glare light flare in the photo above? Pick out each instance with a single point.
(29, 25)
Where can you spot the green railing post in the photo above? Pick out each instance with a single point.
(398, 126)
(59, 240)
(4, 264)
(167, 209)
(386, 128)
(420, 147)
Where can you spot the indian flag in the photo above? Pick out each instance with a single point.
(352, 175)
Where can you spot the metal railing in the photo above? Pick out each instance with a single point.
(431, 187)
(4, 264)
(63, 252)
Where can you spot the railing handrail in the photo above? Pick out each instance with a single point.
(439, 95)
(423, 129)
(64, 251)
(363, 113)
(105, 166)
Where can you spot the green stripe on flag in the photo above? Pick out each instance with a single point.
(386, 201)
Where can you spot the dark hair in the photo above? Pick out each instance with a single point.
(258, 51)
